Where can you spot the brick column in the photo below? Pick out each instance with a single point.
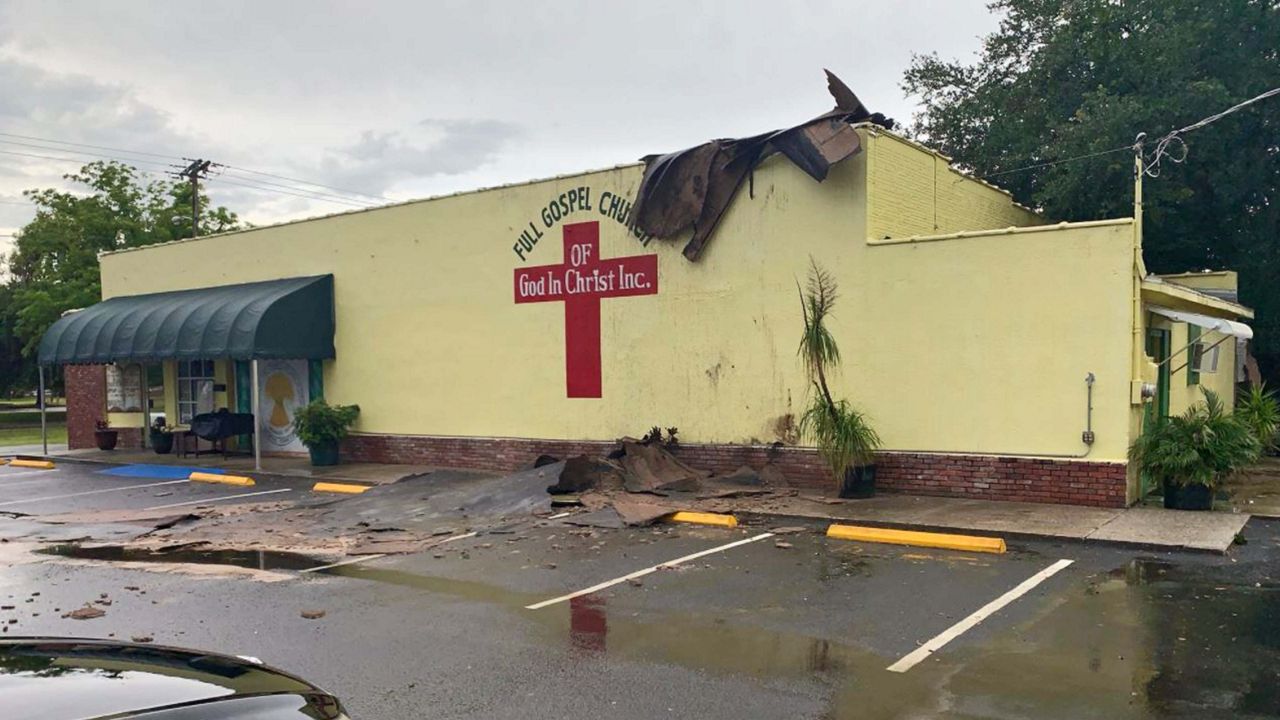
(86, 403)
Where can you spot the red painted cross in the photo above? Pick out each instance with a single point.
(580, 281)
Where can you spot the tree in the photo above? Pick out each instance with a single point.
(1061, 79)
(54, 267)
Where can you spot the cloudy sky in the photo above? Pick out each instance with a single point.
(399, 100)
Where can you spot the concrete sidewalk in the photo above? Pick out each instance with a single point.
(1142, 526)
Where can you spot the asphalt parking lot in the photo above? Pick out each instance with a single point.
(757, 625)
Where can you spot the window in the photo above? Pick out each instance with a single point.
(1194, 351)
(195, 389)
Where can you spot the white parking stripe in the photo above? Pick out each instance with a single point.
(912, 658)
(23, 473)
(90, 492)
(206, 501)
(646, 571)
(24, 483)
(348, 561)
(362, 558)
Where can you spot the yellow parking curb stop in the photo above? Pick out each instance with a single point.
(38, 464)
(702, 518)
(971, 543)
(339, 488)
(225, 479)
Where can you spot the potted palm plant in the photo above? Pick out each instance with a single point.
(844, 437)
(321, 427)
(1192, 453)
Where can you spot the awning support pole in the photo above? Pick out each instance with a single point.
(44, 425)
(146, 405)
(257, 425)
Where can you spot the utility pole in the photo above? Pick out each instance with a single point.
(193, 173)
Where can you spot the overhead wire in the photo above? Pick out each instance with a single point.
(1162, 150)
(175, 158)
(262, 188)
(1166, 142)
(304, 182)
(318, 193)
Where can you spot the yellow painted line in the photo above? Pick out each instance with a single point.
(702, 518)
(4, 461)
(40, 464)
(339, 488)
(971, 543)
(224, 479)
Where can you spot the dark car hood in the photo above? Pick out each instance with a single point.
(73, 679)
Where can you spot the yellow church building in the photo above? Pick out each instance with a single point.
(998, 356)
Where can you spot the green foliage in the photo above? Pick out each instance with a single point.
(1064, 78)
(320, 423)
(54, 267)
(1258, 409)
(843, 435)
(1200, 447)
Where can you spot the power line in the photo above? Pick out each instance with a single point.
(96, 147)
(85, 152)
(1059, 162)
(174, 157)
(224, 179)
(1152, 168)
(352, 202)
(304, 182)
(295, 188)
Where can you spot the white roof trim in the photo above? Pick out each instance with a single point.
(1222, 325)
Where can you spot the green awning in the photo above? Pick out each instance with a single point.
(290, 318)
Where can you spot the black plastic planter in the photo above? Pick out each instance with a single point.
(1187, 497)
(162, 442)
(859, 482)
(324, 454)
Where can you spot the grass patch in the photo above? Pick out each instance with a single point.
(31, 435)
(24, 418)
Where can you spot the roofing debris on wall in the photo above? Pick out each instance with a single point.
(692, 188)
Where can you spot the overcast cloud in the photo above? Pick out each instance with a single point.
(408, 99)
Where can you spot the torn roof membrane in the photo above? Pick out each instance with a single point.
(693, 188)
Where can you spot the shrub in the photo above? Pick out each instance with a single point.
(1258, 409)
(1199, 447)
(320, 423)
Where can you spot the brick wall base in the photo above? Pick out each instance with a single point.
(986, 477)
(86, 403)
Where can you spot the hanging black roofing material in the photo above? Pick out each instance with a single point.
(290, 318)
(692, 188)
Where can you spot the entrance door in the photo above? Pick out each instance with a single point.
(1158, 348)
(1158, 341)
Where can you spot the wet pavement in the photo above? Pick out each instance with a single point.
(803, 630)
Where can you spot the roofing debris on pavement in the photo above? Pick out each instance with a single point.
(693, 188)
(640, 483)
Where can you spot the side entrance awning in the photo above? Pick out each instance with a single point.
(290, 318)
(1222, 325)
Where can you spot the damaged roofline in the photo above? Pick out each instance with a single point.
(1011, 230)
(388, 206)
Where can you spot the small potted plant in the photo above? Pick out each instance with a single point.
(321, 427)
(161, 437)
(844, 437)
(104, 436)
(1192, 453)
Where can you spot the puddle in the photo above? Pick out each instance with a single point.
(252, 559)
